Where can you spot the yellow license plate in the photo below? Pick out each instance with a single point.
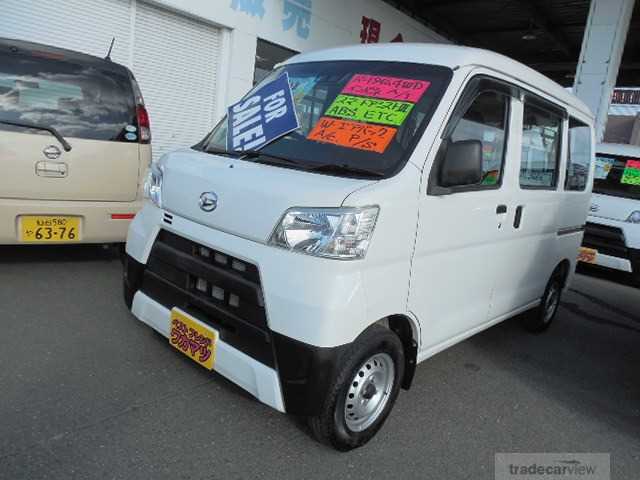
(49, 229)
(193, 338)
(587, 255)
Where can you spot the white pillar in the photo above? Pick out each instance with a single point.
(602, 46)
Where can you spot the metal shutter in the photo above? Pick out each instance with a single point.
(83, 25)
(175, 62)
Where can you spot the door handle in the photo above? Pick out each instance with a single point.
(501, 209)
(51, 169)
(518, 218)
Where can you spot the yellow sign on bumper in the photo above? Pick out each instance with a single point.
(193, 338)
(587, 255)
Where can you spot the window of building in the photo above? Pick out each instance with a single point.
(579, 156)
(268, 55)
(486, 120)
(541, 136)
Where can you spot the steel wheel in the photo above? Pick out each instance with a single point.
(369, 392)
(552, 302)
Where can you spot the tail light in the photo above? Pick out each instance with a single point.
(144, 125)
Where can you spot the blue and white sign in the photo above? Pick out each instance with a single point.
(267, 114)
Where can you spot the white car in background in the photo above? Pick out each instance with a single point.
(612, 234)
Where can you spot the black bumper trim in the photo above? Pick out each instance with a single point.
(306, 373)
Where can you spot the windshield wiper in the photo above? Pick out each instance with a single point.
(222, 151)
(51, 130)
(255, 155)
(259, 153)
(341, 168)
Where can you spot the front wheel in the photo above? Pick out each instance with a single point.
(364, 391)
(540, 318)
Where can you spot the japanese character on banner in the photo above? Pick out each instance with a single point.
(370, 32)
(297, 13)
(255, 8)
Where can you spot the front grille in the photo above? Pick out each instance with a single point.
(218, 289)
(607, 240)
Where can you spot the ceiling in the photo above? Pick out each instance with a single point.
(556, 28)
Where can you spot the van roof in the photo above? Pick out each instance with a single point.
(54, 53)
(619, 149)
(447, 55)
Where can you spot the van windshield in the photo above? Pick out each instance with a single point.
(618, 176)
(357, 118)
(81, 101)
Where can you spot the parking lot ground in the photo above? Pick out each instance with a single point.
(86, 391)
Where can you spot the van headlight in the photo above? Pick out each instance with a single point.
(340, 233)
(153, 184)
(634, 217)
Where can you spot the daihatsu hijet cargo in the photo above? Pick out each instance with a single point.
(74, 146)
(422, 194)
(612, 234)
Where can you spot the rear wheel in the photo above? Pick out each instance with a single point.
(363, 392)
(540, 318)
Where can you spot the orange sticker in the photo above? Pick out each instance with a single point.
(363, 136)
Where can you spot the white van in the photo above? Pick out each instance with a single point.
(447, 193)
(612, 234)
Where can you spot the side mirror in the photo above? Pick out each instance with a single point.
(462, 164)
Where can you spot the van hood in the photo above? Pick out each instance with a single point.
(612, 207)
(251, 197)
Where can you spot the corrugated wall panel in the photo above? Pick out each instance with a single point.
(83, 25)
(175, 61)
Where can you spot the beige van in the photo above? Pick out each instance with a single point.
(74, 146)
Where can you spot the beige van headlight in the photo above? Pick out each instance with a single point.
(340, 233)
(153, 184)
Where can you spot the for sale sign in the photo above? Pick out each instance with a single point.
(263, 116)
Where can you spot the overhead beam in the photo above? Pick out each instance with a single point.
(571, 66)
(543, 23)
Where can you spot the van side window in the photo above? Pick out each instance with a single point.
(579, 156)
(541, 134)
(486, 120)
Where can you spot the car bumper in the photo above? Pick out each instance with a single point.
(256, 378)
(287, 360)
(97, 223)
(616, 242)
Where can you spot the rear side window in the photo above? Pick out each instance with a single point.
(541, 134)
(81, 101)
(486, 120)
(579, 156)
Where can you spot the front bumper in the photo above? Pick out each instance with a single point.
(287, 373)
(612, 241)
(97, 224)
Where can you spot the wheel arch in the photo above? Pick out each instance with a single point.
(563, 269)
(409, 334)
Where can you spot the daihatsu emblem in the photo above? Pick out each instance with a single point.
(208, 201)
(51, 152)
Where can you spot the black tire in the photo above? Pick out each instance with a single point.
(541, 317)
(330, 426)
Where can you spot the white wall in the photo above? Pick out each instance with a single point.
(333, 23)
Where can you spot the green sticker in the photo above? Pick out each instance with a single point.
(371, 110)
(631, 176)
